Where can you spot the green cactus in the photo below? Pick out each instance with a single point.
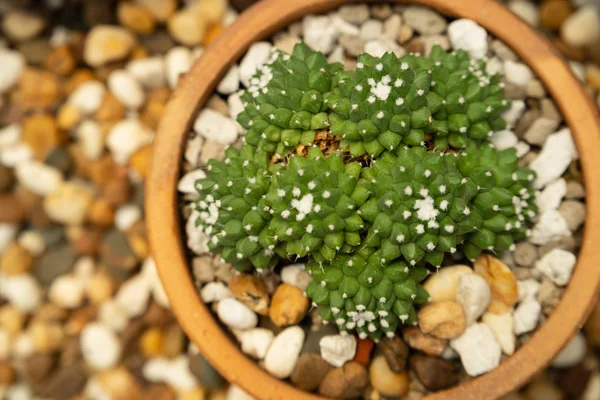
(371, 226)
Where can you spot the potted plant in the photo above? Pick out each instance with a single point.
(197, 86)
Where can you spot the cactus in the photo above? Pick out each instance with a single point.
(413, 180)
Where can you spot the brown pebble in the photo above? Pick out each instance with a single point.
(7, 373)
(15, 260)
(434, 373)
(443, 320)
(79, 319)
(310, 371)
(66, 382)
(35, 51)
(251, 291)
(41, 134)
(151, 342)
(140, 160)
(7, 179)
(153, 112)
(99, 288)
(11, 209)
(159, 392)
(110, 110)
(77, 78)
(345, 382)
(60, 61)
(37, 90)
(135, 17)
(37, 367)
(385, 381)
(49, 313)
(101, 213)
(86, 242)
(11, 320)
(570, 51)
(415, 45)
(102, 171)
(554, 12)
(395, 352)
(117, 255)
(173, 341)
(120, 384)
(117, 191)
(289, 305)
(157, 315)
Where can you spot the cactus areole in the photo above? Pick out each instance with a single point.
(373, 175)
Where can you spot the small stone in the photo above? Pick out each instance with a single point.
(573, 212)
(385, 381)
(67, 382)
(443, 284)
(582, 27)
(573, 353)
(33, 242)
(311, 345)
(296, 275)
(377, 48)
(425, 343)
(175, 372)
(230, 82)
(424, 20)
(550, 198)
(517, 73)
(501, 281)
(126, 137)
(320, 33)
(160, 9)
(479, 352)
(126, 89)
(208, 377)
(236, 315)
(12, 66)
(310, 371)
(526, 316)
(550, 111)
(187, 26)
(504, 139)
(550, 226)
(540, 130)
(575, 190)
(467, 35)
(433, 372)
(150, 72)
(526, 10)
(251, 291)
(503, 328)
(20, 25)
(99, 288)
(151, 342)
(282, 356)
(256, 56)
(443, 320)
(178, 61)
(286, 43)
(405, 34)
(395, 352)
(256, 342)
(371, 30)
(289, 305)
(554, 12)
(557, 265)
(381, 11)
(536, 89)
(337, 349)
(353, 45)
(474, 295)
(549, 295)
(15, 260)
(99, 346)
(355, 14)
(214, 126)
(88, 97)
(525, 254)
(514, 113)
(67, 292)
(106, 43)
(135, 17)
(345, 382)
(37, 177)
(68, 203)
(116, 254)
(391, 26)
(215, 291)
(56, 262)
(38, 90)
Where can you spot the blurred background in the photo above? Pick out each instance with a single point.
(82, 313)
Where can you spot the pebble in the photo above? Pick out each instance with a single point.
(478, 349)
(187, 183)
(22, 291)
(391, 26)
(427, 344)
(178, 61)
(7, 233)
(100, 347)
(310, 371)
(150, 72)
(126, 137)
(286, 43)
(539, 130)
(88, 97)
(251, 291)
(133, 296)
(338, 349)
(385, 381)
(503, 328)
(68, 203)
(197, 239)
(214, 126)
(345, 382)
(517, 73)
(550, 198)
(557, 265)
(501, 281)
(67, 292)
(504, 139)
(113, 315)
(467, 35)
(57, 261)
(574, 213)
(296, 275)
(550, 226)
(556, 155)
(311, 345)
(444, 283)
(12, 63)
(592, 390)
(573, 353)
(187, 27)
(526, 316)
(237, 393)
(575, 190)
(474, 295)
(136, 17)
(320, 33)
(443, 320)
(150, 273)
(174, 372)
(371, 29)
(208, 377)
(256, 56)
(236, 315)
(106, 43)
(255, 342)
(160, 9)
(37, 177)
(355, 14)
(554, 13)
(395, 352)
(215, 291)
(282, 356)
(99, 288)
(289, 305)
(33, 242)
(424, 20)
(377, 48)
(20, 25)
(16, 260)
(230, 82)
(436, 40)
(582, 27)
(433, 372)
(127, 216)
(525, 254)
(126, 89)
(90, 138)
(526, 10)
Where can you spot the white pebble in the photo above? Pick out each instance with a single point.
(255, 342)
(503, 328)
(10, 136)
(12, 63)
(371, 29)
(150, 71)
(213, 125)
(296, 275)
(284, 351)
(23, 346)
(22, 291)
(5, 345)
(344, 27)
(84, 269)
(67, 292)
(467, 35)
(133, 295)
(557, 265)
(526, 316)
(175, 372)
(592, 390)
(20, 391)
(126, 216)
(177, 61)
(573, 353)
(337, 349)
(230, 82)
(7, 234)
(88, 97)
(526, 10)
(40, 178)
(377, 48)
(256, 56)
(236, 315)
(90, 139)
(193, 150)
(237, 393)
(556, 155)
(150, 273)
(113, 315)
(215, 291)
(100, 347)
(474, 295)
(478, 349)
(582, 27)
(32, 241)
(197, 239)
(126, 137)
(15, 155)
(320, 33)
(235, 105)
(550, 198)
(517, 73)
(126, 89)
(505, 139)
(528, 289)
(522, 148)
(187, 182)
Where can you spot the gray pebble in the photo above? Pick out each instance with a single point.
(549, 295)
(212, 149)
(355, 14)
(568, 243)
(54, 263)
(550, 111)
(223, 271)
(513, 91)
(535, 89)
(575, 190)
(525, 254)
(539, 130)
(352, 44)
(573, 212)
(381, 11)
(295, 29)
(424, 20)
(503, 51)
(525, 122)
(205, 373)
(203, 269)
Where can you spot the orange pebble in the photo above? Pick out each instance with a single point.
(363, 351)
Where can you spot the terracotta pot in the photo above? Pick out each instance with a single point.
(262, 21)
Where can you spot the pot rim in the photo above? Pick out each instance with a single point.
(261, 21)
